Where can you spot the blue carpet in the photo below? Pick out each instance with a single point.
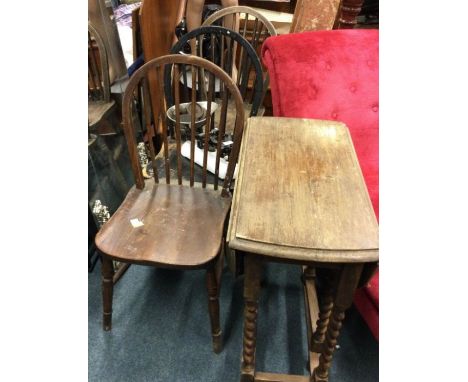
(161, 329)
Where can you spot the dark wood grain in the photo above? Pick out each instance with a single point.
(171, 234)
(158, 19)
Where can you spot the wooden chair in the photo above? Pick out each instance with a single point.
(177, 225)
(235, 56)
(253, 26)
(99, 101)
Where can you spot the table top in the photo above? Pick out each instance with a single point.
(300, 193)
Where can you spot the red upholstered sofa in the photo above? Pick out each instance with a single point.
(334, 75)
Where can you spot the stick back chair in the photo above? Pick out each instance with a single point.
(170, 224)
(232, 53)
(251, 24)
(99, 100)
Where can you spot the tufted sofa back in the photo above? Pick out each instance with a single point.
(331, 75)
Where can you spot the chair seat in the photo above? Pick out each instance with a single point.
(97, 110)
(182, 226)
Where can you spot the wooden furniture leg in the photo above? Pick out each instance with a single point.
(348, 282)
(311, 311)
(253, 273)
(107, 291)
(213, 307)
(326, 305)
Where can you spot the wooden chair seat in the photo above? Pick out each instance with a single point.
(98, 110)
(188, 234)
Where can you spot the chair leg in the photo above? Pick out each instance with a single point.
(107, 290)
(213, 307)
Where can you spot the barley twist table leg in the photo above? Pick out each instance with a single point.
(253, 270)
(326, 306)
(321, 373)
(348, 281)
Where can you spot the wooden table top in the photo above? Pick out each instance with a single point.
(300, 193)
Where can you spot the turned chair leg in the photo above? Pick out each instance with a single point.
(213, 307)
(107, 290)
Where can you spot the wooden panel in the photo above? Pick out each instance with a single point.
(301, 193)
(158, 19)
(311, 15)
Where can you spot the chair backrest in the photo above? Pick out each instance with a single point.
(232, 53)
(98, 67)
(201, 107)
(251, 25)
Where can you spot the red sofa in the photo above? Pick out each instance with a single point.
(334, 75)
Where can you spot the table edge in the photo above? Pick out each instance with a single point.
(305, 254)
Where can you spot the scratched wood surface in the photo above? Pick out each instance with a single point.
(300, 193)
(182, 226)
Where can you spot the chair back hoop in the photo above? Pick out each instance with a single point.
(235, 54)
(253, 36)
(238, 10)
(98, 72)
(170, 118)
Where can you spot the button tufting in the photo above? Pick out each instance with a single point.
(334, 114)
(375, 108)
(353, 89)
(328, 66)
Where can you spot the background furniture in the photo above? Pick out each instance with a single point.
(300, 198)
(157, 22)
(251, 24)
(346, 16)
(98, 15)
(99, 102)
(159, 223)
(314, 15)
(233, 54)
(333, 75)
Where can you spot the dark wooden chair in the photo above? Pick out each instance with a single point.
(251, 24)
(178, 224)
(232, 53)
(100, 103)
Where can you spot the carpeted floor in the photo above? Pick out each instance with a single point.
(161, 330)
